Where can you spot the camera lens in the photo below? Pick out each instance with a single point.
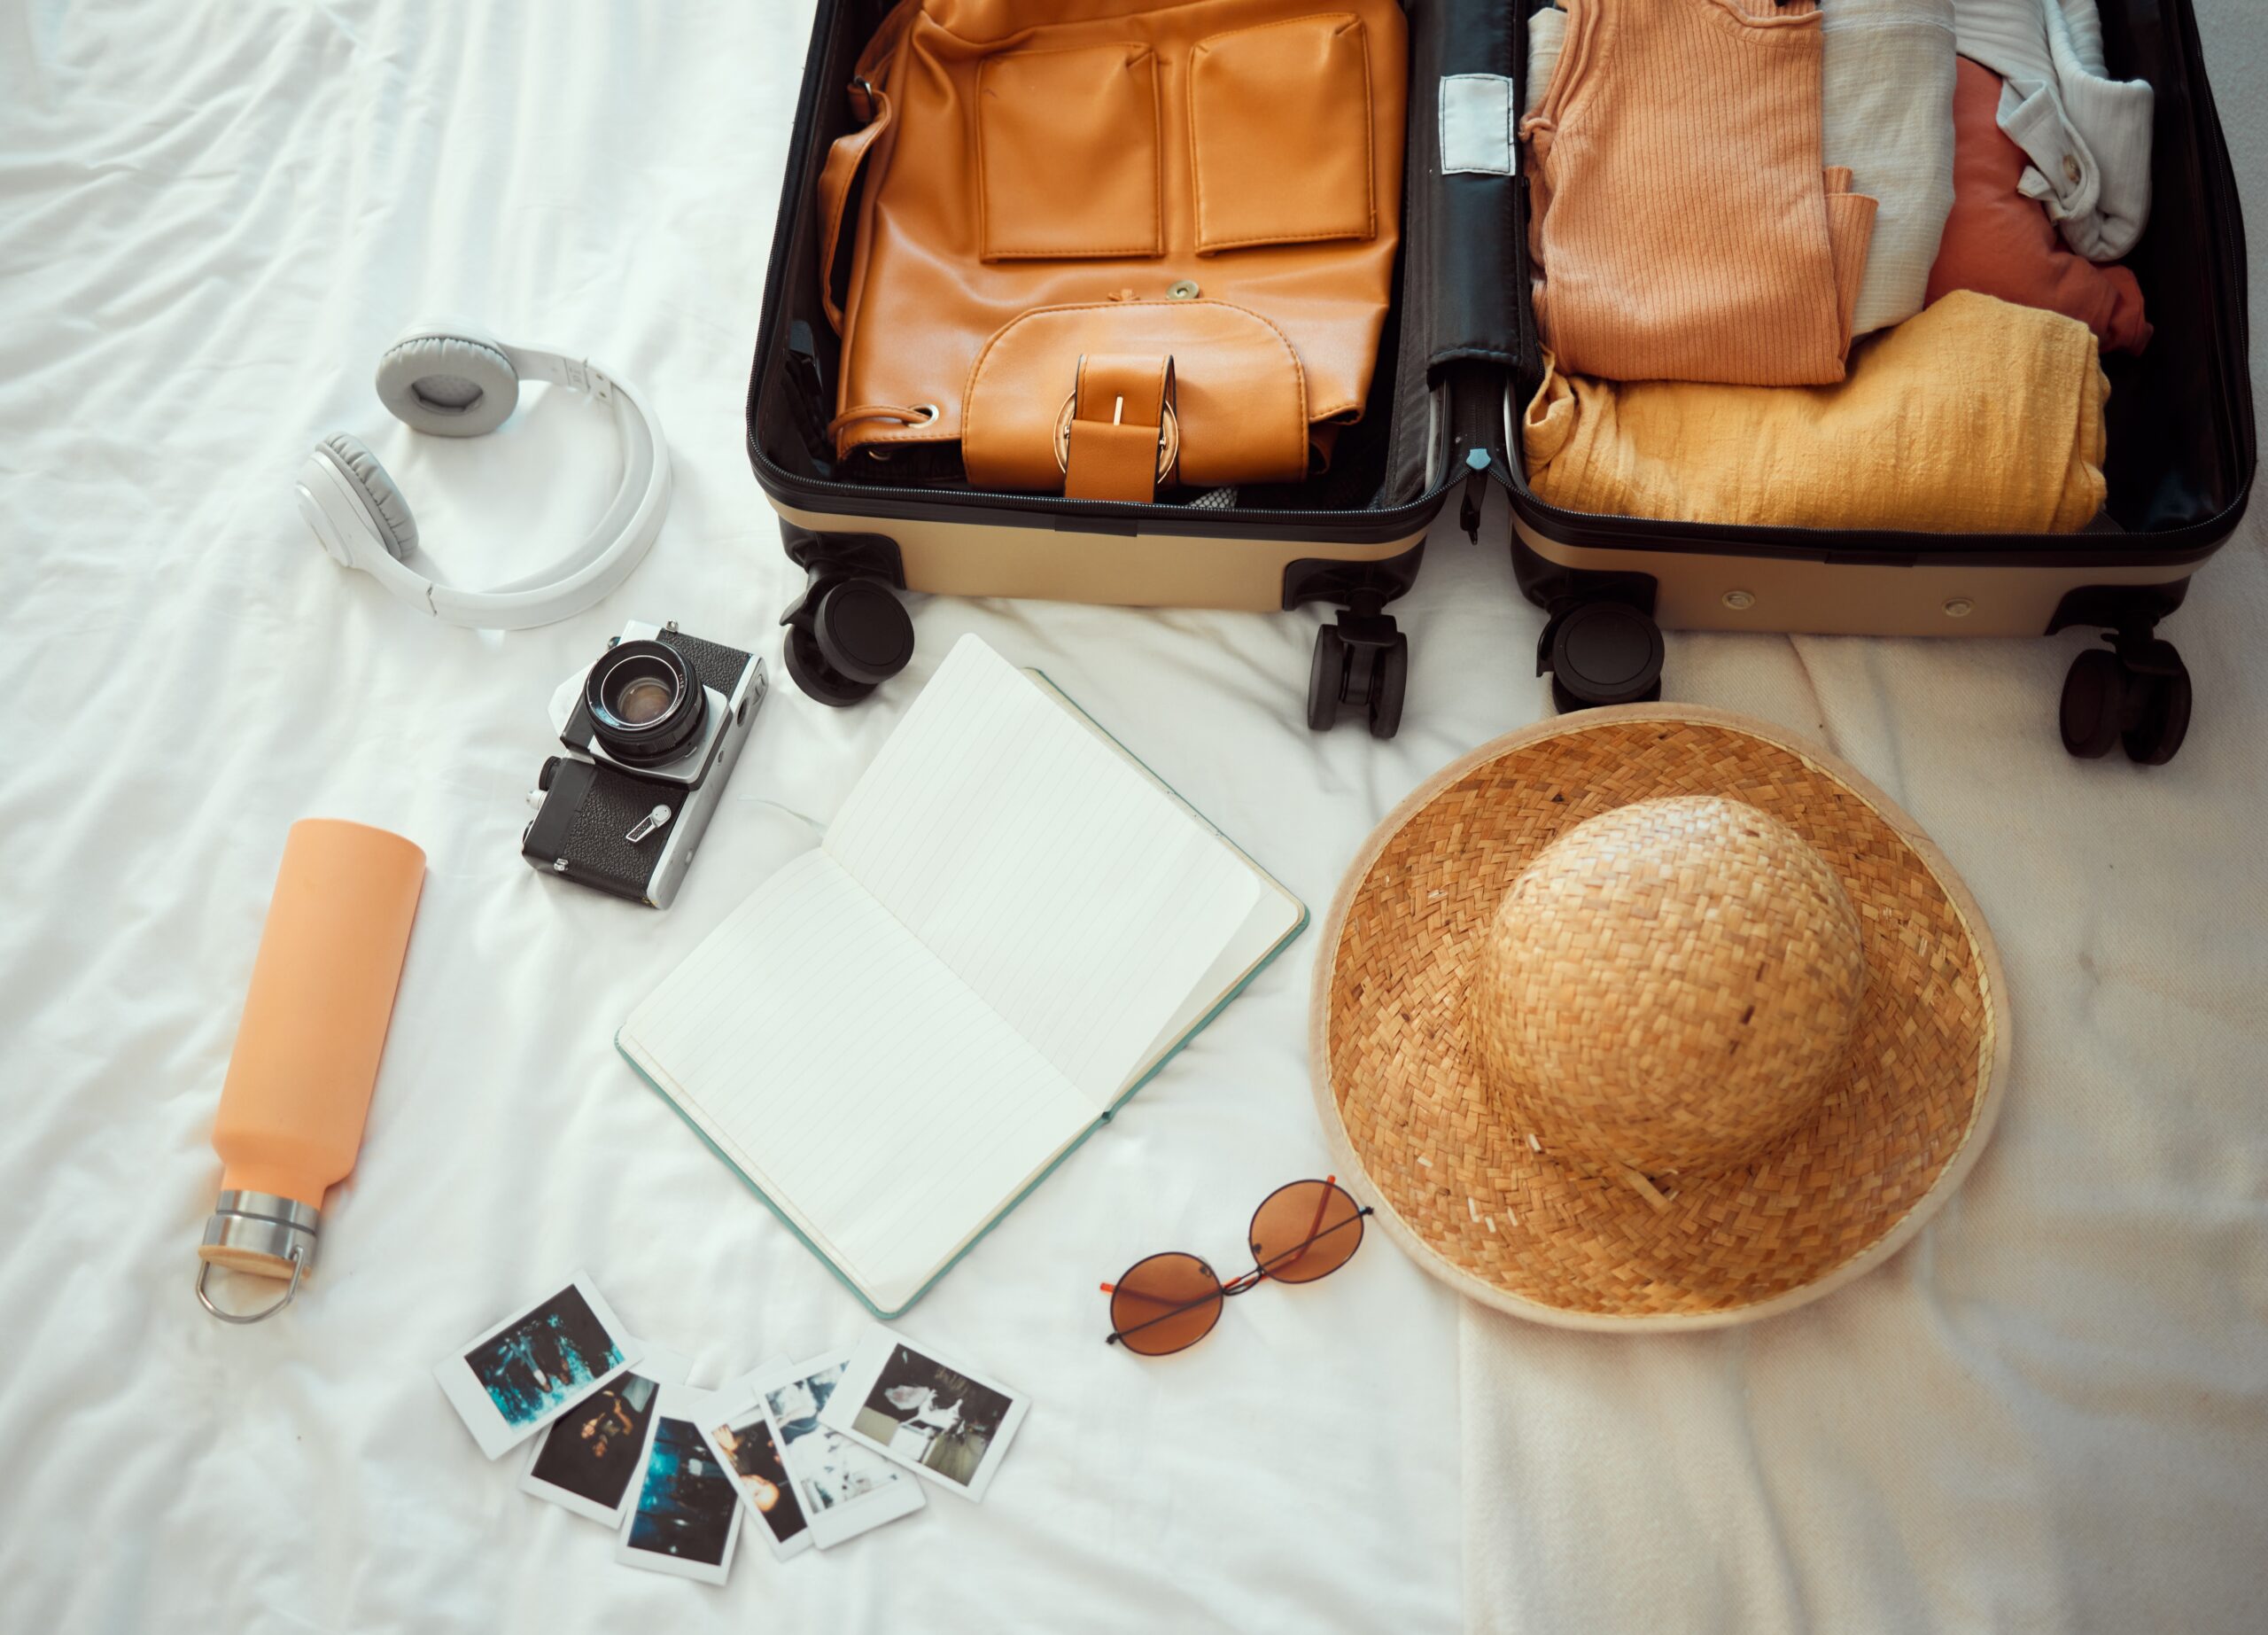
(645, 702)
(640, 701)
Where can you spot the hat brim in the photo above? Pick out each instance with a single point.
(1482, 1205)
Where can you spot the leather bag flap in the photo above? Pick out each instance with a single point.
(1239, 393)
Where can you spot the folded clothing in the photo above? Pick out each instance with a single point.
(2000, 243)
(2087, 134)
(1547, 32)
(1977, 417)
(1886, 101)
(1886, 113)
(1685, 224)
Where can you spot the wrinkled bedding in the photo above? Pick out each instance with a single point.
(212, 218)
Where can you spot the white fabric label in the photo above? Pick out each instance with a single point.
(1476, 125)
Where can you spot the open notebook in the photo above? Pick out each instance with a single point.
(1009, 926)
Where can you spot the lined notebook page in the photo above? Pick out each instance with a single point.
(1275, 915)
(876, 1100)
(1078, 900)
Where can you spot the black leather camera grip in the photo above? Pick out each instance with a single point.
(587, 814)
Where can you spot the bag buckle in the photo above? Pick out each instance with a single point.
(1168, 425)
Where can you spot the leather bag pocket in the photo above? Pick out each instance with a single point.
(1068, 154)
(1241, 395)
(1279, 122)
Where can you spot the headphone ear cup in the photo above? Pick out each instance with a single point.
(396, 527)
(447, 385)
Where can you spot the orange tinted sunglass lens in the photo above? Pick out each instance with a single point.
(1165, 1303)
(1305, 1230)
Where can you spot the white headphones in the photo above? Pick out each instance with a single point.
(453, 382)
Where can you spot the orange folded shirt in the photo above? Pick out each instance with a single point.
(1685, 227)
(1997, 242)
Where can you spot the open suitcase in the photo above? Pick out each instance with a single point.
(1352, 537)
(1457, 361)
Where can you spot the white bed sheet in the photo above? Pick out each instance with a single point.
(212, 217)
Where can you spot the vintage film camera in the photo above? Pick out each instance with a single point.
(653, 738)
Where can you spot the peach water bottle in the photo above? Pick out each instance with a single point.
(306, 1052)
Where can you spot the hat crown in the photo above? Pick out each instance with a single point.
(1669, 986)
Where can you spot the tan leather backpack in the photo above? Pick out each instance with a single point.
(1108, 245)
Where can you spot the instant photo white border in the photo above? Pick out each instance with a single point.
(869, 1359)
(471, 1398)
(742, 1401)
(838, 1523)
(664, 1368)
(676, 1402)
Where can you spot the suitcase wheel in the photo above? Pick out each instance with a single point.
(2139, 696)
(845, 638)
(1601, 653)
(1363, 661)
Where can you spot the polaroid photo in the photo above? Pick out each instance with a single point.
(528, 1370)
(741, 1437)
(938, 1420)
(842, 1489)
(686, 1518)
(587, 1460)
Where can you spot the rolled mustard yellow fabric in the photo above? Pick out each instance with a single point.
(1974, 417)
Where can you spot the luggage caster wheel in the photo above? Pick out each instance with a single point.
(808, 668)
(1393, 679)
(2094, 704)
(2155, 738)
(862, 632)
(856, 637)
(1325, 677)
(2143, 703)
(1360, 660)
(1601, 653)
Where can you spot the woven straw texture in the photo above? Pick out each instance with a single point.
(1669, 986)
(1412, 1102)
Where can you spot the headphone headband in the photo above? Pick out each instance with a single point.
(450, 381)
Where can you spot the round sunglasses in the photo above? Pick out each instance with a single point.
(1300, 1232)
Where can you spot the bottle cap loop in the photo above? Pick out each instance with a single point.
(263, 1236)
(290, 1291)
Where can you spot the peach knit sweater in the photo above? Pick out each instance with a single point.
(1683, 225)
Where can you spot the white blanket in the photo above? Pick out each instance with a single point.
(212, 217)
(2051, 1412)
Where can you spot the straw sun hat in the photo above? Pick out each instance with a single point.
(1654, 1017)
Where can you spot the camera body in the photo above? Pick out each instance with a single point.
(653, 738)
